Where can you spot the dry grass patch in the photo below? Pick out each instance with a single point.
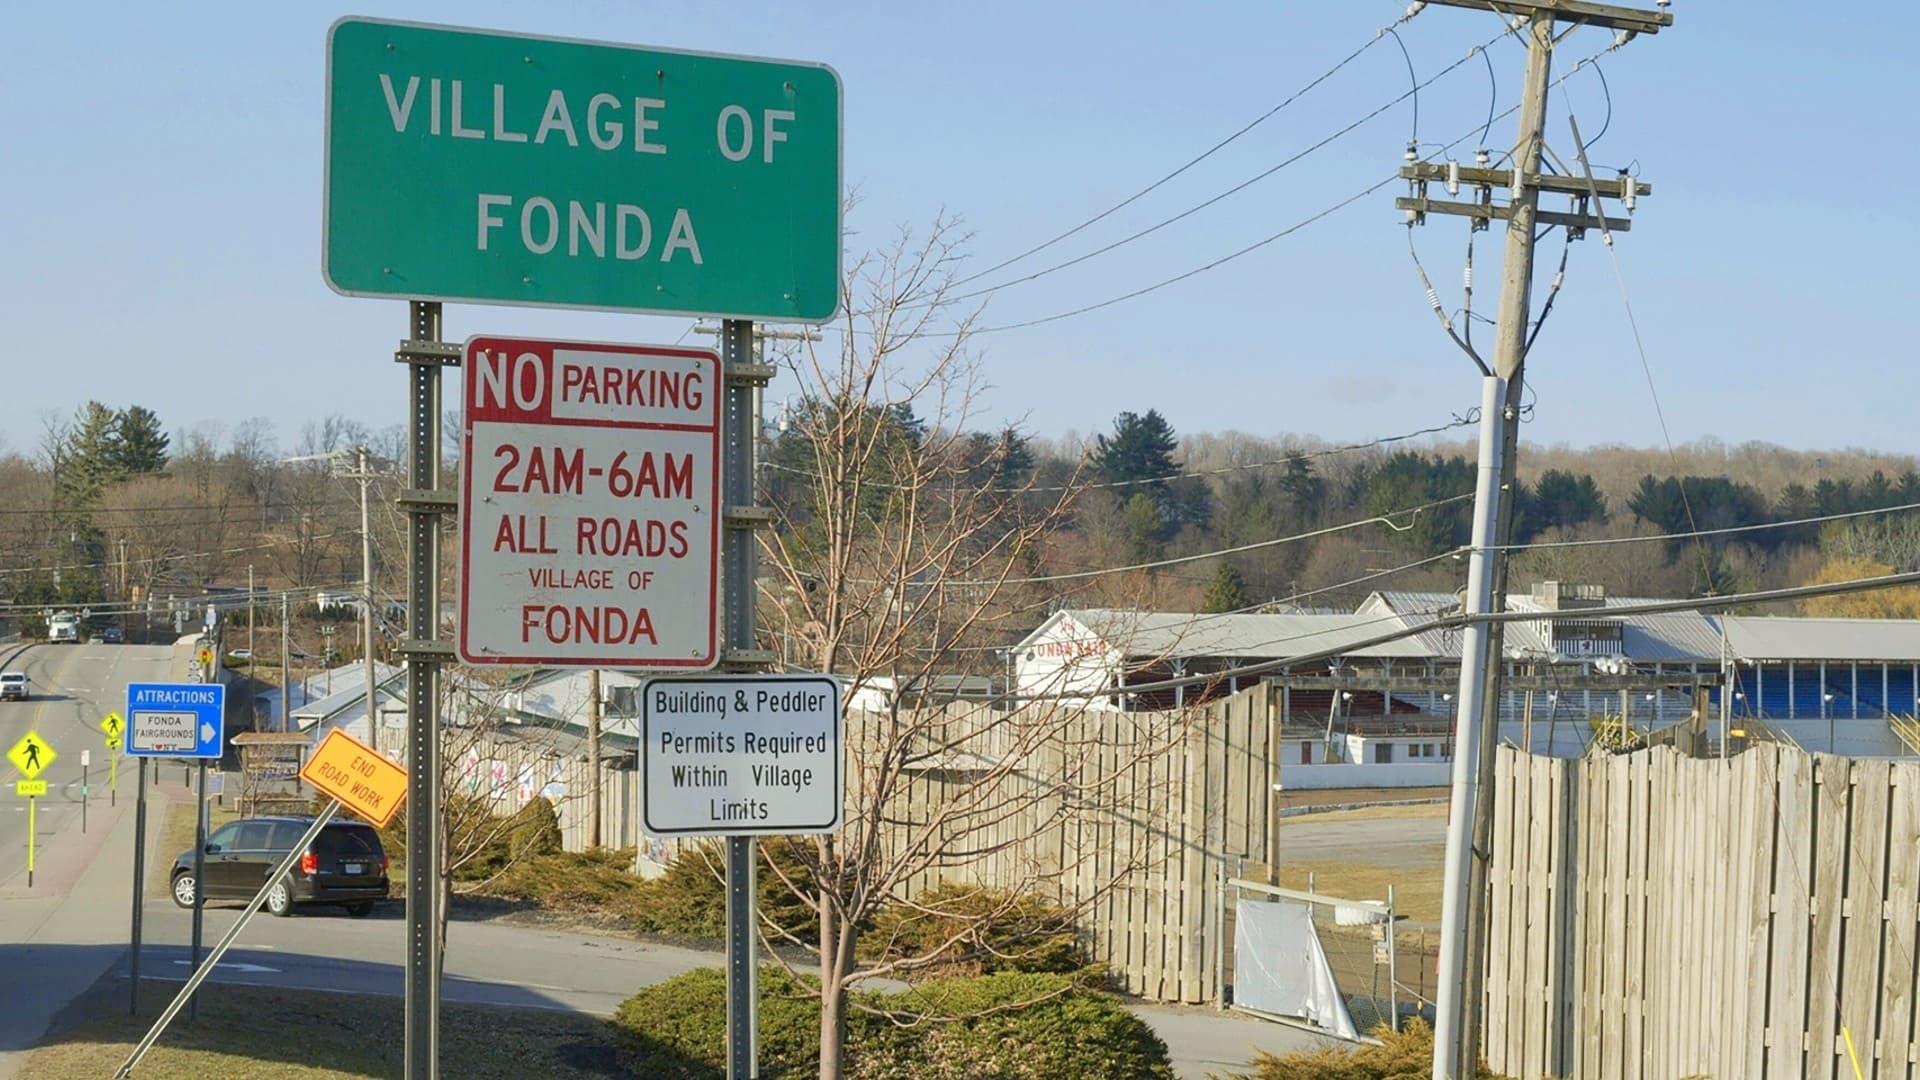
(272, 1034)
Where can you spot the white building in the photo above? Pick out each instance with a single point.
(1092, 655)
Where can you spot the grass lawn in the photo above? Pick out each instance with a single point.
(176, 836)
(1416, 893)
(272, 1034)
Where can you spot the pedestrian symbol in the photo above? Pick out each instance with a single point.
(31, 755)
(113, 728)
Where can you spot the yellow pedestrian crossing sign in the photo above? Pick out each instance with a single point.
(114, 728)
(31, 755)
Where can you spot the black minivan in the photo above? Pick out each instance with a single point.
(344, 865)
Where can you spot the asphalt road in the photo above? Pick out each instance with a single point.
(72, 687)
(71, 927)
(1405, 842)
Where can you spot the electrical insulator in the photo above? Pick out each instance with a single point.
(1629, 191)
(1453, 178)
(1415, 8)
(1433, 300)
(1413, 217)
(1468, 277)
(1413, 151)
(1481, 157)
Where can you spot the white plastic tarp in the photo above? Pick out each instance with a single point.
(1280, 968)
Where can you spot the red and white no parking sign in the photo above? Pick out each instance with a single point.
(589, 505)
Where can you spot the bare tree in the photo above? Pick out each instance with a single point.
(905, 546)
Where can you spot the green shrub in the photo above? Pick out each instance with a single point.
(990, 930)
(1009, 1026)
(691, 899)
(677, 1029)
(535, 829)
(1403, 1055)
(995, 1027)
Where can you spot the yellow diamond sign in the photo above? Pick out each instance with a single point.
(114, 728)
(31, 755)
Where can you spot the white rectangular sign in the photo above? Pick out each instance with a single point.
(163, 732)
(741, 755)
(589, 505)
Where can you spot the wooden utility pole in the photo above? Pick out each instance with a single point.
(286, 669)
(593, 757)
(1462, 959)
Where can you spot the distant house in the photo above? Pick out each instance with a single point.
(883, 693)
(1093, 655)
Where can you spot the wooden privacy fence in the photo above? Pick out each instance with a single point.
(1655, 915)
(1174, 805)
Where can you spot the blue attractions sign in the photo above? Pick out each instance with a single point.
(176, 720)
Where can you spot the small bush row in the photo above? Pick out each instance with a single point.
(1008, 1026)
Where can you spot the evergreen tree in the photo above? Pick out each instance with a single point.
(1145, 529)
(91, 458)
(1304, 491)
(1226, 592)
(1139, 457)
(141, 447)
(1140, 451)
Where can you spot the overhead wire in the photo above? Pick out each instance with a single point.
(1197, 159)
(1444, 622)
(1080, 575)
(1633, 324)
(1692, 534)
(1468, 419)
(1223, 260)
(1413, 93)
(150, 560)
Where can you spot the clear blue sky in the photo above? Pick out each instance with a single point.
(161, 224)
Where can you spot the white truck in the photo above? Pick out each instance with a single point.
(63, 627)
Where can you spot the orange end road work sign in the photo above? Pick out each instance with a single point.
(349, 770)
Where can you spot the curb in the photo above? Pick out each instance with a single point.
(1329, 808)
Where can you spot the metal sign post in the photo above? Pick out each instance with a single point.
(201, 971)
(139, 873)
(199, 873)
(32, 827)
(424, 503)
(743, 378)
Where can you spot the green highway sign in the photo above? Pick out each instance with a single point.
(475, 166)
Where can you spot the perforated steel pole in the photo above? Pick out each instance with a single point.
(743, 379)
(422, 1028)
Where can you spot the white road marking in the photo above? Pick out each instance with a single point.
(235, 965)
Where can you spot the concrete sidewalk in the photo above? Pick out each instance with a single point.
(62, 944)
(74, 925)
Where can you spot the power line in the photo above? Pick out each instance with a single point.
(1191, 162)
(1448, 622)
(1471, 418)
(1413, 93)
(1646, 366)
(1262, 606)
(219, 600)
(1699, 533)
(1382, 519)
(1224, 259)
(150, 560)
